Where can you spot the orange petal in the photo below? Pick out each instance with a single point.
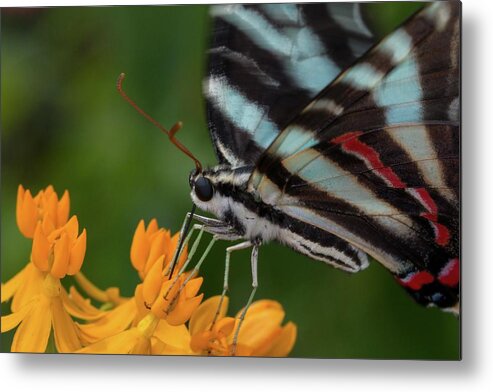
(12, 320)
(121, 343)
(182, 312)
(142, 346)
(167, 245)
(170, 289)
(224, 327)
(64, 328)
(193, 287)
(158, 347)
(78, 306)
(40, 250)
(200, 341)
(33, 333)
(177, 336)
(140, 247)
(48, 224)
(27, 216)
(113, 322)
(156, 250)
(204, 314)
(61, 259)
(284, 343)
(260, 328)
(19, 204)
(72, 228)
(30, 287)
(241, 351)
(261, 306)
(50, 206)
(153, 227)
(174, 245)
(152, 282)
(140, 304)
(77, 254)
(63, 209)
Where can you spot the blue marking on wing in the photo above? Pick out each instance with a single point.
(300, 50)
(243, 113)
(400, 93)
(296, 139)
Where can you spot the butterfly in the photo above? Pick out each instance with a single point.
(341, 148)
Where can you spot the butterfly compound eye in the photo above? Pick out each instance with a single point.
(203, 189)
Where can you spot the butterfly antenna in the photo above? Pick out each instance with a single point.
(171, 133)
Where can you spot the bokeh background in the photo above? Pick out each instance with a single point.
(64, 124)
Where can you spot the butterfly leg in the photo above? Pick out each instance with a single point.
(194, 271)
(254, 260)
(193, 249)
(210, 222)
(215, 238)
(185, 243)
(209, 225)
(229, 250)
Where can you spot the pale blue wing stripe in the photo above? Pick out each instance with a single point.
(415, 140)
(401, 86)
(300, 50)
(285, 13)
(297, 136)
(240, 111)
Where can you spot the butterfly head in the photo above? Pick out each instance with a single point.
(212, 188)
(201, 186)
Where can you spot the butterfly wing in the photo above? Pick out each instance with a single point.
(375, 159)
(267, 61)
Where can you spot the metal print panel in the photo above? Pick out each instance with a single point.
(301, 199)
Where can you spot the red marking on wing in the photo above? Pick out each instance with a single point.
(351, 144)
(416, 280)
(346, 137)
(425, 199)
(442, 233)
(450, 274)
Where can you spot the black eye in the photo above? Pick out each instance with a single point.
(203, 189)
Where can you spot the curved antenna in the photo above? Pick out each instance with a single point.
(171, 133)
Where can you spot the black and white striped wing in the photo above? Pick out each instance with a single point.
(267, 61)
(375, 158)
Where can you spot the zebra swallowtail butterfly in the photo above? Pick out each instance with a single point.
(335, 145)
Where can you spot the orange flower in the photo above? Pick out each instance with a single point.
(173, 300)
(44, 312)
(260, 335)
(167, 304)
(150, 336)
(61, 251)
(40, 304)
(150, 244)
(153, 321)
(44, 207)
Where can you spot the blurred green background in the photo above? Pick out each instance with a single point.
(64, 124)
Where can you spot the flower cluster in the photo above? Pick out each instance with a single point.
(165, 316)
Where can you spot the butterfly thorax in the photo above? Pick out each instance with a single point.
(234, 204)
